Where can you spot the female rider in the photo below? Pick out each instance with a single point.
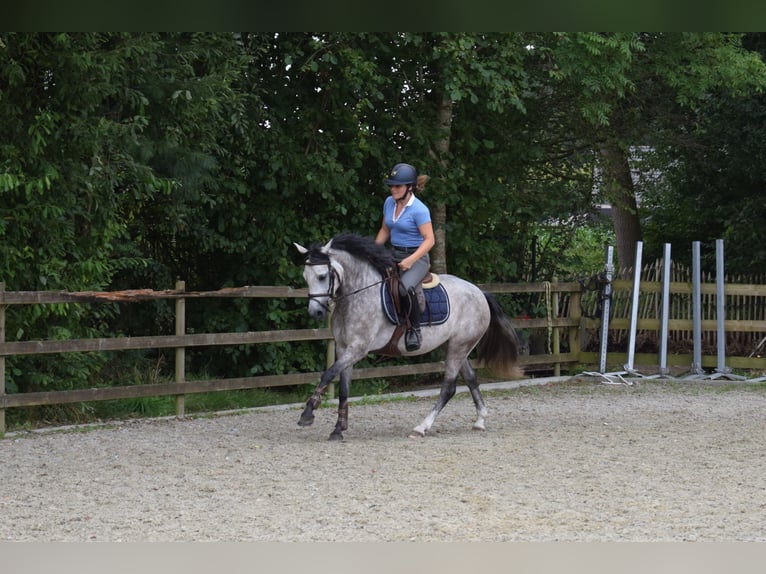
(407, 224)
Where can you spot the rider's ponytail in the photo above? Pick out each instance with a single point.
(422, 181)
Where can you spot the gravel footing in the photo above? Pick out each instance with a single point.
(573, 460)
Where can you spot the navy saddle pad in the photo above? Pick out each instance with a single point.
(437, 305)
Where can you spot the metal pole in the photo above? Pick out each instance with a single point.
(720, 306)
(696, 310)
(634, 307)
(605, 309)
(720, 312)
(665, 311)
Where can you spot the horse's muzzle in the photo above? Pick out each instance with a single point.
(317, 311)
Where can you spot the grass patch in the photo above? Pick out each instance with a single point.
(20, 419)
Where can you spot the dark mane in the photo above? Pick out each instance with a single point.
(362, 247)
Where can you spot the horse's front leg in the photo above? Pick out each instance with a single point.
(343, 392)
(307, 417)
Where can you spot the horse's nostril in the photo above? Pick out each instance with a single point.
(317, 314)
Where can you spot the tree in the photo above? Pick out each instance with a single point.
(634, 85)
(457, 75)
(134, 159)
(715, 176)
(68, 180)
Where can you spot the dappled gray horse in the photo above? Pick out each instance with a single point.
(345, 275)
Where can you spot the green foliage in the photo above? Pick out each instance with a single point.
(132, 160)
(579, 255)
(722, 169)
(597, 65)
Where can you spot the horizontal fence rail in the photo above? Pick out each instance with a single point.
(561, 335)
(182, 341)
(744, 313)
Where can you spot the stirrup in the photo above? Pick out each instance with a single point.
(412, 339)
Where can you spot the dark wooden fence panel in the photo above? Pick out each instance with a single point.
(745, 311)
(181, 341)
(567, 324)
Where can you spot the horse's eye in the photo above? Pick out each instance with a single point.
(322, 277)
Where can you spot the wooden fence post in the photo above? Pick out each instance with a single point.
(2, 359)
(180, 367)
(575, 331)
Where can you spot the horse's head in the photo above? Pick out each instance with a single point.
(321, 277)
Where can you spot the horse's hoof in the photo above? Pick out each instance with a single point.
(479, 426)
(306, 421)
(335, 435)
(417, 433)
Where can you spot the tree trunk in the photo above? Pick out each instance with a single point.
(439, 251)
(439, 210)
(621, 194)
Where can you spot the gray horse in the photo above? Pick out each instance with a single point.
(345, 276)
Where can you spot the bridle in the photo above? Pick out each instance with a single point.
(332, 294)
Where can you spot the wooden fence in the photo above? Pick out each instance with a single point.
(567, 329)
(745, 318)
(182, 340)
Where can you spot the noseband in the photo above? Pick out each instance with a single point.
(315, 259)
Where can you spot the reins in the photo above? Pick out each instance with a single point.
(330, 294)
(342, 295)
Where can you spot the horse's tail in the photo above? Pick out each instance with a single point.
(498, 348)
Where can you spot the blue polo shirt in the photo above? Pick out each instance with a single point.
(405, 231)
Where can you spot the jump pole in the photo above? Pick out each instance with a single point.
(720, 311)
(663, 372)
(634, 310)
(605, 312)
(606, 308)
(696, 370)
(720, 307)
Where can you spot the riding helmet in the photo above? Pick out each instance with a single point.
(402, 174)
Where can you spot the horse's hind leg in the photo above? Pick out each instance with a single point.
(469, 375)
(449, 386)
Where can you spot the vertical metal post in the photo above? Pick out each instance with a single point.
(180, 366)
(720, 306)
(665, 311)
(606, 308)
(722, 371)
(696, 310)
(634, 307)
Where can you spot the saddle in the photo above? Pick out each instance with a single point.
(432, 300)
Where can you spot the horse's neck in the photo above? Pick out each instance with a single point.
(357, 275)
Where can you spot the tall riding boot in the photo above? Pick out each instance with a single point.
(412, 338)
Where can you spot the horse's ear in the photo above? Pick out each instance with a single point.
(302, 250)
(326, 247)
